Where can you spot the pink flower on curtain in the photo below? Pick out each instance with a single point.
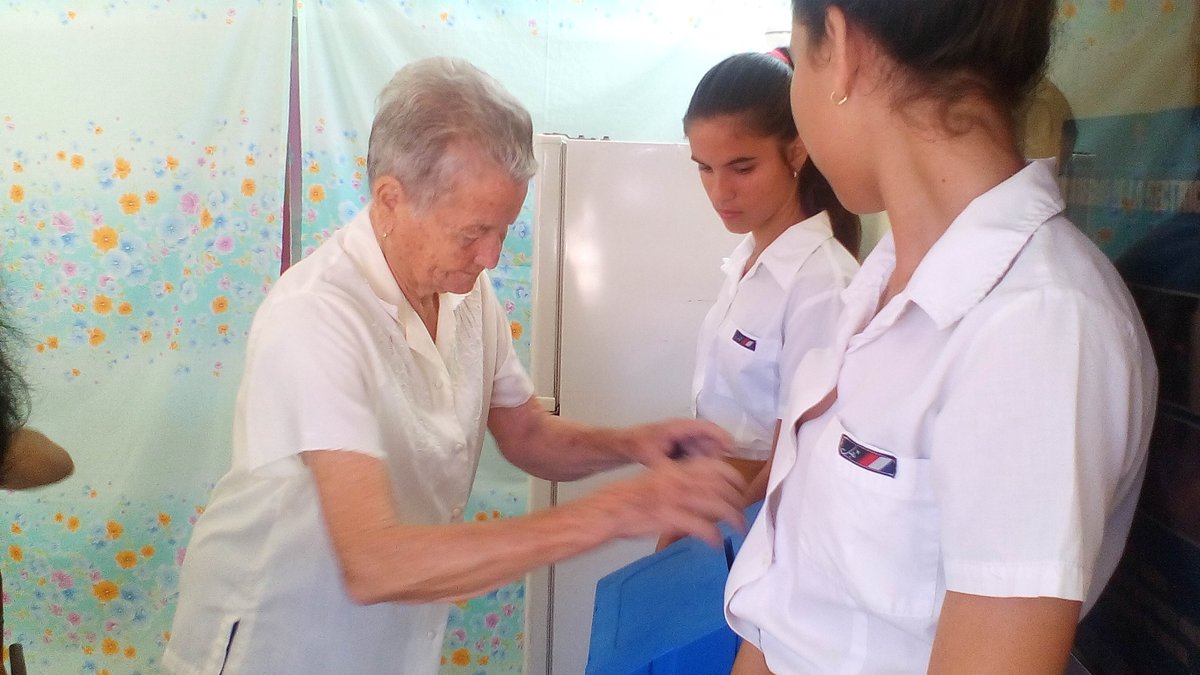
(61, 579)
(63, 222)
(189, 203)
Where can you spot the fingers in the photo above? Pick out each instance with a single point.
(699, 528)
(725, 487)
(677, 499)
(699, 438)
(654, 444)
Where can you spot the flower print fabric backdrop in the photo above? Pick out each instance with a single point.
(141, 164)
(1130, 72)
(141, 173)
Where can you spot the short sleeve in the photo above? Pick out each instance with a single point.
(307, 383)
(511, 385)
(1038, 436)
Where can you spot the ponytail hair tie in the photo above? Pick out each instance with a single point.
(783, 54)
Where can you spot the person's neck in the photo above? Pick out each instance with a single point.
(768, 232)
(422, 297)
(926, 182)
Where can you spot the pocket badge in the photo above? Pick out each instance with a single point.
(744, 340)
(866, 458)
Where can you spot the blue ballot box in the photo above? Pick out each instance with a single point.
(663, 614)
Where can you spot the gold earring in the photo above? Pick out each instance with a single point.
(385, 234)
(835, 100)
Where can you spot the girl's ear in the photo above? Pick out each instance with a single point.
(797, 154)
(844, 52)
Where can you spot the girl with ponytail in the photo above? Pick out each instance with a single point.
(781, 295)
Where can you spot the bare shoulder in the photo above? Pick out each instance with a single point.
(33, 460)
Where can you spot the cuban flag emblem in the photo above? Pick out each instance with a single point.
(747, 342)
(871, 460)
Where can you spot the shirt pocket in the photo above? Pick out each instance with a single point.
(748, 370)
(869, 519)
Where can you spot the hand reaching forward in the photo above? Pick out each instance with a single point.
(659, 442)
(686, 497)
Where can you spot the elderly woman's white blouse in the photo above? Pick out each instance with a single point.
(762, 324)
(988, 437)
(337, 359)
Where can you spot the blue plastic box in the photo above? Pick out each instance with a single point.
(663, 614)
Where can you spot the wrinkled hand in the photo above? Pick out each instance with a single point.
(659, 442)
(677, 499)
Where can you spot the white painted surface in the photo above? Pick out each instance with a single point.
(628, 257)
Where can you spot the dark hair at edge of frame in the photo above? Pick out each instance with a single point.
(757, 88)
(14, 391)
(950, 50)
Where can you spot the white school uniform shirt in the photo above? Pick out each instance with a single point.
(762, 324)
(338, 359)
(988, 437)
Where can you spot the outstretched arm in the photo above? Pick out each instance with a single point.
(553, 448)
(384, 559)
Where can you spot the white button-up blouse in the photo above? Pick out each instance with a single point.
(988, 437)
(762, 324)
(337, 359)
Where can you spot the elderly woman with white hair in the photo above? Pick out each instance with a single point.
(373, 368)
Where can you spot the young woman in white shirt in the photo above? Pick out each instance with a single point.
(781, 295)
(952, 488)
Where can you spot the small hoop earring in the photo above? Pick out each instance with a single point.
(795, 174)
(385, 234)
(835, 100)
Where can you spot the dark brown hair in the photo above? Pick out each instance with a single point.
(949, 50)
(757, 88)
(14, 392)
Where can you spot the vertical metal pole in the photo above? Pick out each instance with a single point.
(292, 187)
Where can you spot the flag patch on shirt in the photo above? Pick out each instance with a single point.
(743, 340)
(871, 460)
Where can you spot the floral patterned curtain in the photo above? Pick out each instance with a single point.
(141, 164)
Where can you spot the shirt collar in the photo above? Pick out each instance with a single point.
(786, 254)
(983, 241)
(975, 252)
(361, 244)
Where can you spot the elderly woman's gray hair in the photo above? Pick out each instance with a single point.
(438, 116)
